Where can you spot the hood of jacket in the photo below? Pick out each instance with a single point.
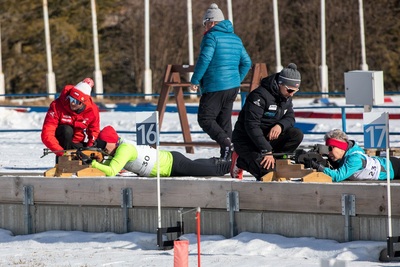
(223, 26)
(271, 85)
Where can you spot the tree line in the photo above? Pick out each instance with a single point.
(121, 40)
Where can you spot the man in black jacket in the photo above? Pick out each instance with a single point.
(266, 124)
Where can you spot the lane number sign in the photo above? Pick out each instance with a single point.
(147, 128)
(376, 130)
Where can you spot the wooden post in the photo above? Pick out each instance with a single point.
(172, 80)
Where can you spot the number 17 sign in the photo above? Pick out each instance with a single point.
(376, 130)
(147, 128)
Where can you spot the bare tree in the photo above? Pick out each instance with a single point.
(121, 40)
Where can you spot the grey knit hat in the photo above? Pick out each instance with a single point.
(290, 76)
(213, 13)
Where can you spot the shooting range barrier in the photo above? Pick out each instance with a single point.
(340, 211)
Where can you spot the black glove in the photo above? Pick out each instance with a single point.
(100, 144)
(315, 165)
(85, 158)
(297, 154)
(306, 162)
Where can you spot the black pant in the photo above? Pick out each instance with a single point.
(64, 134)
(215, 115)
(183, 166)
(396, 167)
(250, 155)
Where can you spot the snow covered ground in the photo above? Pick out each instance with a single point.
(22, 151)
(62, 248)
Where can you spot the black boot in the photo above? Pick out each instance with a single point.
(226, 150)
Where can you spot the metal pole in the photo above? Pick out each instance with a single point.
(98, 77)
(348, 211)
(277, 37)
(232, 206)
(51, 78)
(344, 126)
(158, 170)
(323, 67)
(364, 65)
(28, 202)
(389, 196)
(147, 71)
(126, 202)
(190, 41)
(2, 82)
(230, 13)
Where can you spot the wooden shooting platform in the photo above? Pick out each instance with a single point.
(172, 79)
(69, 166)
(287, 171)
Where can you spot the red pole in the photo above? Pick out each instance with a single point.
(198, 236)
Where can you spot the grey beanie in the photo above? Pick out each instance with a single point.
(213, 13)
(290, 76)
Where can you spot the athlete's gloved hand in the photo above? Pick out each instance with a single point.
(85, 158)
(315, 165)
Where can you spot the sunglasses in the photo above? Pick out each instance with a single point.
(73, 100)
(330, 148)
(290, 90)
(205, 22)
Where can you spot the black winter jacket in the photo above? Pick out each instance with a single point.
(265, 107)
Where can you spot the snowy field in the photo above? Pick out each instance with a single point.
(22, 151)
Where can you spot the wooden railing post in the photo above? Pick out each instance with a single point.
(172, 79)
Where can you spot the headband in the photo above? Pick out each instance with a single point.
(337, 143)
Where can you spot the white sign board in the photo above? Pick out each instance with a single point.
(376, 130)
(147, 128)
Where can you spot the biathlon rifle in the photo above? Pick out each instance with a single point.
(92, 152)
(317, 153)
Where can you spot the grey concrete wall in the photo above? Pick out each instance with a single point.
(213, 222)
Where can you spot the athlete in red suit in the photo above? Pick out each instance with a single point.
(72, 120)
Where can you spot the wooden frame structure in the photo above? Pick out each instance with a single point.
(172, 79)
(287, 171)
(69, 166)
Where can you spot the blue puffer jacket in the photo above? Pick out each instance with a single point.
(223, 61)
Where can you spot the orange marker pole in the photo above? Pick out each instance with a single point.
(198, 235)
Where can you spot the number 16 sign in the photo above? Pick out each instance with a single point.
(147, 128)
(376, 130)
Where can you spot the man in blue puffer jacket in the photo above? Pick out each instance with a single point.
(222, 65)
